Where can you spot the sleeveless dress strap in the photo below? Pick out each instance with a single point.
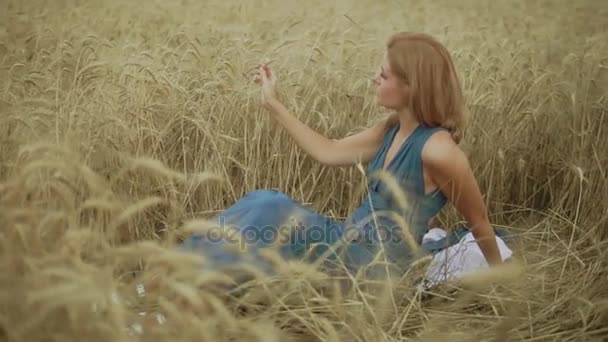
(415, 162)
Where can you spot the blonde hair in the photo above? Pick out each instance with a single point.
(435, 93)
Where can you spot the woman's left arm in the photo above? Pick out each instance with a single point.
(449, 169)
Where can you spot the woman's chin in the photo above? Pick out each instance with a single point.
(383, 105)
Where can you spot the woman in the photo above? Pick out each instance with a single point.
(417, 145)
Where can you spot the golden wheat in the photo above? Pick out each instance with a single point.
(124, 126)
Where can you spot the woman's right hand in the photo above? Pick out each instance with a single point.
(266, 79)
(359, 147)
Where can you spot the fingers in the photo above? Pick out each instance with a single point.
(257, 67)
(270, 75)
(260, 76)
(263, 73)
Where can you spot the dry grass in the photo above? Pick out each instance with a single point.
(122, 121)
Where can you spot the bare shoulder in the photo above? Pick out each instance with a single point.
(441, 151)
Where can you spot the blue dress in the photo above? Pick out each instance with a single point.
(261, 219)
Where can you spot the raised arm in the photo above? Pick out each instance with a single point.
(360, 147)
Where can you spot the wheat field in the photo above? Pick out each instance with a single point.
(125, 124)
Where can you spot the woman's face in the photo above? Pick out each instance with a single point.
(391, 91)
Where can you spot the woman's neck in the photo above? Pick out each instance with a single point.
(407, 121)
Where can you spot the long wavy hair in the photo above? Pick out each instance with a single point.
(435, 93)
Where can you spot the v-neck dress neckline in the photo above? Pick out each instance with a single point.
(390, 142)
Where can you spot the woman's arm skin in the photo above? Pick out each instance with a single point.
(449, 168)
(359, 147)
